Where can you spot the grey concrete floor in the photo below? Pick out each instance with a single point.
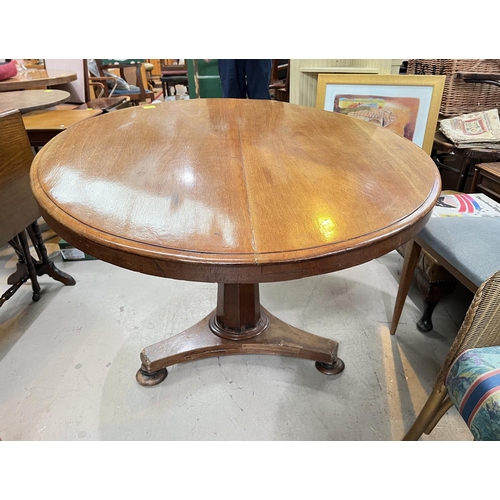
(68, 362)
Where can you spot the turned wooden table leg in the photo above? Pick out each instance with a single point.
(239, 325)
(238, 315)
(23, 239)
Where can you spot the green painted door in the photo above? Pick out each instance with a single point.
(208, 78)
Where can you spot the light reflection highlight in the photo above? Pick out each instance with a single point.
(188, 177)
(154, 219)
(327, 228)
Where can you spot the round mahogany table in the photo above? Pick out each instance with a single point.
(237, 192)
(32, 100)
(36, 78)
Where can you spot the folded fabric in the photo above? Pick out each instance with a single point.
(121, 84)
(131, 89)
(472, 129)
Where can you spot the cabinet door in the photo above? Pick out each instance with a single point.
(208, 78)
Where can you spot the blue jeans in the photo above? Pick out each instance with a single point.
(245, 77)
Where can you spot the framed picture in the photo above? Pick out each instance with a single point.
(406, 104)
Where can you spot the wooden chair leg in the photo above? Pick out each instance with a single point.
(424, 324)
(427, 415)
(432, 293)
(445, 406)
(412, 254)
(463, 174)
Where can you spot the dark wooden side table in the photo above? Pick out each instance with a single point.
(469, 158)
(487, 180)
(236, 192)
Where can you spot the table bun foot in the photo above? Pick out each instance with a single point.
(148, 379)
(330, 368)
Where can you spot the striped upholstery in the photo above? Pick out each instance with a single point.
(473, 384)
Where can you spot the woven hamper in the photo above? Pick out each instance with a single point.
(460, 97)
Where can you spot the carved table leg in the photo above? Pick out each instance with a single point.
(239, 325)
(46, 266)
(14, 288)
(23, 239)
(42, 266)
(29, 268)
(21, 267)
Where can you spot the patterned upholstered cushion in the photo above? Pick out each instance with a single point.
(473, 384)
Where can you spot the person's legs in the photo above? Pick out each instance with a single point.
(258, 73)
(232, 77)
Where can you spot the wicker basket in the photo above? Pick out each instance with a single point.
(460, 97)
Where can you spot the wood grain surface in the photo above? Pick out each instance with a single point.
(43, 125)
(57, 119)
(32, 100)
(18, 208)
(36, 78)
(199, 342)
(233, 191)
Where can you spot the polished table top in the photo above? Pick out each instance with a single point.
(32, 100)
(57, 119)
(225, 190)
(36, 78)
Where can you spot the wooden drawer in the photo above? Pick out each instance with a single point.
(487, 180)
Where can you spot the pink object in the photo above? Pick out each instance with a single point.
(8, 70)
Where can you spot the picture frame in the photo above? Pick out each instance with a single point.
(406, 104)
